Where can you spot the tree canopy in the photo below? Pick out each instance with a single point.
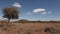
(10, 13)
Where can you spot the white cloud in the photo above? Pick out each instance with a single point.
(44, 13)
(38, 10)
(16, 4)
(41, 11)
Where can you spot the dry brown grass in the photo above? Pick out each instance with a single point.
(29, 28)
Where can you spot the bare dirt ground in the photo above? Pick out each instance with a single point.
(29, 28)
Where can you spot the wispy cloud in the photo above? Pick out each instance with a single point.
(44, 13)
(16, 4)
(49, 12)
(28, 13)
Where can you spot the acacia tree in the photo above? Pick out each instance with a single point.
(10, 13)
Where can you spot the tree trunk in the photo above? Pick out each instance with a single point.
(8, 20)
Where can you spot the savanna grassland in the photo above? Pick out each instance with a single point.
(29, 28)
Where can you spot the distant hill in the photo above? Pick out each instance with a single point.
(27, 21)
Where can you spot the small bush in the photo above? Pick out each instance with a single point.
(28, 33)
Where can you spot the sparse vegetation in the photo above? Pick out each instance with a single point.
(30, 28)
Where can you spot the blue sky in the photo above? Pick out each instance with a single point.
(34, 9)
